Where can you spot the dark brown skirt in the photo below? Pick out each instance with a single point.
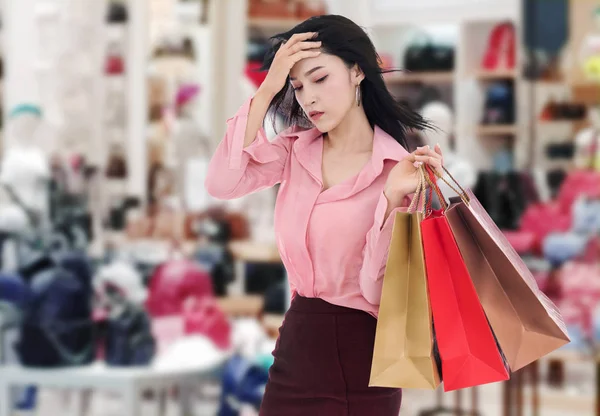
(322, 365)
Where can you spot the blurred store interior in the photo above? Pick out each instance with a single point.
(163, 300)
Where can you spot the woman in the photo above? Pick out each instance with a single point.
(344, 171)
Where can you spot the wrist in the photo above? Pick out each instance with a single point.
(265, 93)
(395, 198)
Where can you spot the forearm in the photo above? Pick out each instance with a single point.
(256, 115)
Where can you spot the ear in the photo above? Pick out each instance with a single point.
(357, 74)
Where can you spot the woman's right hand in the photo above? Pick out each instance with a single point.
(298, 47)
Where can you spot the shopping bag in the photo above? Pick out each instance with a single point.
(403, 354)
(468, 350)
(526, 323)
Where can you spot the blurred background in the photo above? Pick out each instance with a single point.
(125, 289)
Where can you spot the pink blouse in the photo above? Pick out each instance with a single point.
(334, 242)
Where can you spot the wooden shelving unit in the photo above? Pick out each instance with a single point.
(418, 77)
(268, 23)
(497, 130)
(465, 87)
(503, 74)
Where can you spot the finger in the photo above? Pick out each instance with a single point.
(298, 56)
(431, 161)
(436, 164)
(423, 158)
(299, 37)
(426, 150)
(434, 155)
(303, 46)
(429, 153)
(438, 150)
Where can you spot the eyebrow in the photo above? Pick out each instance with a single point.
(316, 68)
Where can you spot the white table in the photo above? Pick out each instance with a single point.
(130, 382)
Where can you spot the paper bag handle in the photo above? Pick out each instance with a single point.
(420, 195)
(431, 178)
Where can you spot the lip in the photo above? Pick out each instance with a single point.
(315, 115)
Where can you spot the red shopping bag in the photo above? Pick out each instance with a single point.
(468, 349)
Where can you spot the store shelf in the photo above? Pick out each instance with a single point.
(252, 251)
(575, 125)
(272, 323)
(484, 75)
(243, 305)
(497, 130)
(565, 165)
(418, 77)
(269, 23)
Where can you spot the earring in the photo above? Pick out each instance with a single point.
(358, 95)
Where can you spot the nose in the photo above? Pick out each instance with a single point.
(309, 102)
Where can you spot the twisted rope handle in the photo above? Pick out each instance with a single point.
(431, 180)
(419, 197)
(462, 193)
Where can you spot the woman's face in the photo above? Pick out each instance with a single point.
(325, 88)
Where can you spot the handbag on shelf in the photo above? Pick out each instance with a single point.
(501, 48)
(175, 281)
(499, 107)
(129, 340)
(280, 9)
(404, 354)
(560, 151)
(116, 168)
(114, 63)
(117, 12)
(14, 296)
(578, 183)
(309, 8)
(505, 196)
(53, 335)
(205, 317)
(422, 55)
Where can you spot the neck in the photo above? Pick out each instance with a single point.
(353, 135)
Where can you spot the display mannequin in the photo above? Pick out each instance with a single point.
(25, 166)
(441, 116)
(189, 150)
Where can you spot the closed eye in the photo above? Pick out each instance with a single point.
(320, 80)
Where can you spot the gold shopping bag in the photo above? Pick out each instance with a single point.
(403, 355)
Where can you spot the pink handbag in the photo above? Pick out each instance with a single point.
(543, 219)
(577, 183)
(173, 283)
(206, 318)
(522, 241)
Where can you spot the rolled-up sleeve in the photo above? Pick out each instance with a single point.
(235, 170)
(377, 248)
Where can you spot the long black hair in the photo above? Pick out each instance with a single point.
(343, 38)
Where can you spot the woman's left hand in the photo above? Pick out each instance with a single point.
(432, 157)
(403, 179)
